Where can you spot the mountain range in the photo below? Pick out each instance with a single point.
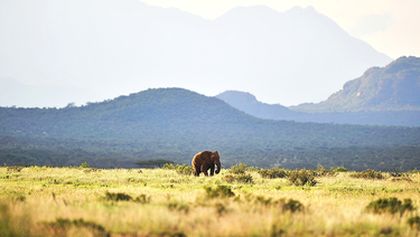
(91, 50)
(395, 87)
(381, 96)
(175, 123)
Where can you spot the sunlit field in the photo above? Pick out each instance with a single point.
(42, 201)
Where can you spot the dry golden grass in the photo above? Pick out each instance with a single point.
(33, 199)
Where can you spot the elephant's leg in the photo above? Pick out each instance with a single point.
(212, 171)
(204, 169)
(197, 171)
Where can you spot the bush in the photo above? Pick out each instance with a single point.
(390, 205)
(62, 223)
(177, 206)
(414, 222)
(116, 197)
(169, 166)
(9, 227)
(180, 169)
(273, 173)
(169, 234)
(368, 174)
(220, 209)
(240, 178)
(302, 177)
(143, 199)
(263, 200)
(396, 174)
(340, 169)
(220, 191)
(240, 168)
(322, 171)
(292, 206)
(84, 165)
(14, 168)
(184, 169)
(153, 163)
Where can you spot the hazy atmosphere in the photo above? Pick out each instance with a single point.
(81, 51)
(185, 118)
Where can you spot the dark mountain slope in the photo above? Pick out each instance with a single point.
(175, 123)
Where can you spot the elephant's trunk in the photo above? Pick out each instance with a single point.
(218, 167)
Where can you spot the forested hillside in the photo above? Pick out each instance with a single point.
(175, 123)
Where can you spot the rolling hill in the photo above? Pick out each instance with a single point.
(175, 123)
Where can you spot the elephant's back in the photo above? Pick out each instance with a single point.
(200, 157)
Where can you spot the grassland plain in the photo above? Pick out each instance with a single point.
(43, 201)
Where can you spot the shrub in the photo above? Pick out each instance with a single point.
(340, 169)
(116, 197)
(84, 165)
(368, 174)
(390, 205)
(263, 200)
(322, 171)
(14, 168)
(62, 223)
(20, 198)
(220, 209)
(302, 177)
(9, 227)
(229, 178)
(273, 173)
(240, 178)
(414, 222)
(177, 206)
(180, 169)
(240, 168)
(169, 166)
(169, 234)
(143, 199)
(219, 191)
(396, 174)
(292, 206)
(184, 169)
(153, 163)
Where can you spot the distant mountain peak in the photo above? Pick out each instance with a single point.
(148, 46)
(249, 104)
(240, 95)
(391, 88)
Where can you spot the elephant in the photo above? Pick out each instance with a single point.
(205, 160)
